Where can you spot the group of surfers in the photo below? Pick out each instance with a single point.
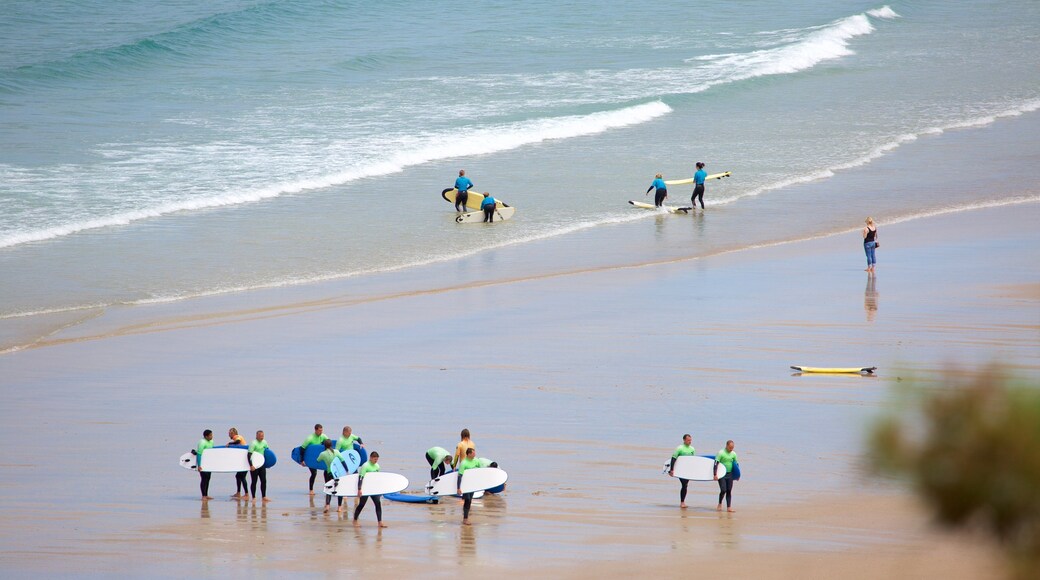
(662, 188)
(462, 186)
(438, 458)
(726, 456)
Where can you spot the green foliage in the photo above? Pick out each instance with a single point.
(971, 450)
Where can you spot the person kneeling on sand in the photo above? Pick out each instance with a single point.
(369, 466)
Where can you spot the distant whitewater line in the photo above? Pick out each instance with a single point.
(478, 141)
(884, 149)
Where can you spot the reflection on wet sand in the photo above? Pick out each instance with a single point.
(870, 297)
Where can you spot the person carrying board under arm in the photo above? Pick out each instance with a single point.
(698, 185)
(241, 488)
(460, 449)
(661, 193)
(686, 449)
(369, 466)
(462, 186)
(259, 445)
(205, 443)
(726, 457)
(469, 462)
(346, 442)
(316, 438)
(327, 458)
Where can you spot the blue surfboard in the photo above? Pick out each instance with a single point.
(313, 451)
(269, 457)
(339, 469)
(407, 498)
(736, 467)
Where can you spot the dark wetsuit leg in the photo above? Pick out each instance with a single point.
(659, 196)
(682, 490)
(698, 193)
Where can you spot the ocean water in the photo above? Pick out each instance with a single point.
(156, 151)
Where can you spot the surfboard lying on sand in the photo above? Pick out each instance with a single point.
(472, 201)
(696, 468)
(836, 370)
(224, 460)
(377, 483)
(408, 498)
(668, 208)
(188, 459)
(502, 213)
(473, 480)
(690, 180)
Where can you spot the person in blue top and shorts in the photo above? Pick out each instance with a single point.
(698, 185)
(662, 190)
(463, 185)
(489, 205)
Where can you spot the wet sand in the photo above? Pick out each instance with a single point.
(578, 384)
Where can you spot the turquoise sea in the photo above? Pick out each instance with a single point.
(159, 150)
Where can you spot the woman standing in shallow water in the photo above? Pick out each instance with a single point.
(870, 243)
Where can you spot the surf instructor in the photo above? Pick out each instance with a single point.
(698, 185)
(686, 449)
(462, 185)
(662, 190)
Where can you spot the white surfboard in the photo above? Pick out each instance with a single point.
(695, 468)
(377, 483)
(473, 480)
(474, 217)
(668, 208)
(223, 460)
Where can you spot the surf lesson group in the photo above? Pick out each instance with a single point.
(487, 207)
(350, 470)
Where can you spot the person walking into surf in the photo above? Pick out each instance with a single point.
(460, 449)
(870, 244)
(662, 190)
(370, 466)
(686, 449)
(462, 186)
(241, 487)
(469, 462)
(316, 438)
(259, 445)
(698, 185)
(728, 458)
(489, 205)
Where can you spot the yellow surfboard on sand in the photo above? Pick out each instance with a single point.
(690, 180)
(473, 201)
(836, 370)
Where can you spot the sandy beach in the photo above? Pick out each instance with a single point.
(578, 384)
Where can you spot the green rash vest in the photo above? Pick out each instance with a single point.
(313, 439)
(327, 456)
(683, 450)
(258, 446)
(484, 462)
(368, 467)
(346, 443)
(468, 464)
(726, 458)
(437, 454)
(202, 446)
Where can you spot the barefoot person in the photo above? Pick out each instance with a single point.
(327, 458)
(259, 445)
(316, 438)
(439, 460)
(870, 244)
(460, 449)
(682, 451)
(462, 185)
(241, 487)
(205, 443)
(469, 462)
(369, 466)
(662, 190)
(698, 185)
(346, 442)
(726, 457)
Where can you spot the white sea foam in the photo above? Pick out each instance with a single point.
(415, 151)
(884, 12)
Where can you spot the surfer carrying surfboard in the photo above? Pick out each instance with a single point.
(460, 449)
(489, 205)
(727, 457)
(439, 460)
(662, 190)
(326, 457)
(463, 185)
(370, 466)
(698, 185)
(241, 487)
(205, 443)
(346, 442)
(259, 445)
(469, 462)
(683, 450)
(316, 438)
